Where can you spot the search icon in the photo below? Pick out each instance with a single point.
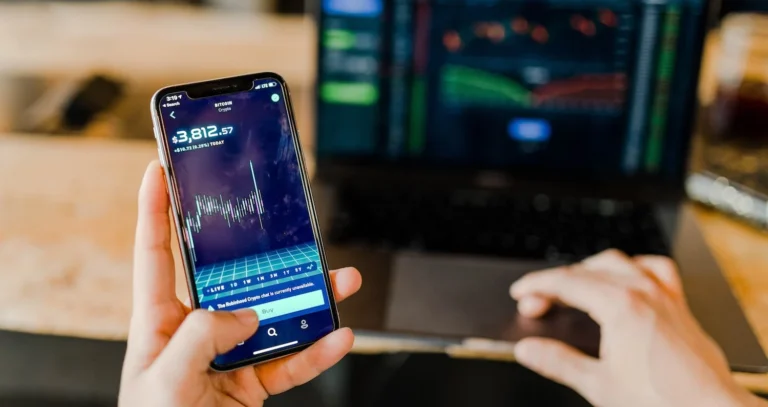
(271, 332)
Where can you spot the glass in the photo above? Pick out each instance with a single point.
(734, 97)
(739, 111)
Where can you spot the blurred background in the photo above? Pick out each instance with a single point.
(88, 68)
(75, 134)
(729, 170)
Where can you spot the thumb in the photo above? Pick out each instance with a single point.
(206, 334)
(561, 363)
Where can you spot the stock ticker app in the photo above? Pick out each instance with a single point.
(245, 216)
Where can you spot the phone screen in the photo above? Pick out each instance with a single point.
(245, 215)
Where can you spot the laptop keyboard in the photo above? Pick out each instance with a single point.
(494, 224)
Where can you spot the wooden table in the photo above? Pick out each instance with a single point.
(151, 42)
(742, 253)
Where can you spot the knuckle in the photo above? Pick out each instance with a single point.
(652, 290)
(200, 320)
(607, 259)
(632, 301)
(662, 264)
(612, 255)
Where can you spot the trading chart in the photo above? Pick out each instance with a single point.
(465, 86)
(514, 85)
(246, 218)
(562, 33)
(537, 58)
(520, 82)
(233, 210)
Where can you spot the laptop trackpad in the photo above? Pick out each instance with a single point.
(457, 296)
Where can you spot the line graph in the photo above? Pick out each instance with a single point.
(604, 89)
(232, 210)
(469, 86)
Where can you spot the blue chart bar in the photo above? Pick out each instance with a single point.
(260, 278)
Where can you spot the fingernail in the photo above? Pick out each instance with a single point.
(515, 290)
(524, 351)
(527, 306)
(247, 316)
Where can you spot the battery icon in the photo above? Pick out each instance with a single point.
(272, 84)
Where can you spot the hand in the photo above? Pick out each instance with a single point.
(652, 350)
(170, 347)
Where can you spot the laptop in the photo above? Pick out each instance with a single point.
(464, 143)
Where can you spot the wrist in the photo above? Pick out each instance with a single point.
(741, 397)
(728, 394)
(754, 401)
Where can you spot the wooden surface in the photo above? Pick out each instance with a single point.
(742, 253)
(144, 42)
(46, 46)
(68, 206)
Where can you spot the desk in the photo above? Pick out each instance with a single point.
(151, 43)
(742, 255)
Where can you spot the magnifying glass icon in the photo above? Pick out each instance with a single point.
(271, 332)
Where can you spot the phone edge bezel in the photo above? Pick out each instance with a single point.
(171, 189)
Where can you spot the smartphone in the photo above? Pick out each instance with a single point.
(243, 211)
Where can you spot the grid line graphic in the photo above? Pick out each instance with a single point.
(254, 265)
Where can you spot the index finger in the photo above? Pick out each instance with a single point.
(153, 268)
(346, 281)
(664, 270)
(581, 290)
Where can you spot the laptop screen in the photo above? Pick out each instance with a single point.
(591, 88)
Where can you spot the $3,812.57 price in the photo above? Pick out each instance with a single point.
(199, 133)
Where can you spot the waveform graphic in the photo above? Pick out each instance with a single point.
(520, 26)
(232, 210)
(463, 85)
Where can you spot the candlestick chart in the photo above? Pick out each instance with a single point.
(232, 210)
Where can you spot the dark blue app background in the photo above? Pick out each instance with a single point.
(245, 216)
